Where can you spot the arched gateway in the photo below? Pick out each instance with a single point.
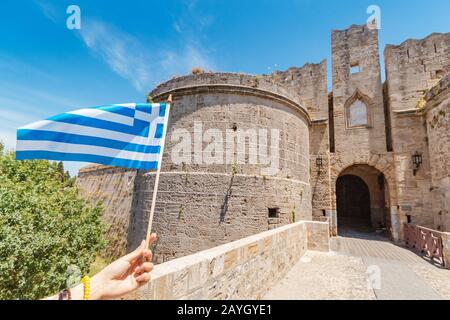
(362, 200)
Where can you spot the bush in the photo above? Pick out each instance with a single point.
(197, 71)
(45, 227)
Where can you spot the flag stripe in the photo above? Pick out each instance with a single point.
(162, 110)
(105, 115)
(118, 109)
(140, 127)
(88, 131)
(24, 145)
(81, 157)
(145, 107)
(159, 131)
(41, 135)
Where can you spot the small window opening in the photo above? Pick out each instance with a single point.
(355, 68)
(409, 218)
(273, 212)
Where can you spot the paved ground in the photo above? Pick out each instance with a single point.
(363, 266)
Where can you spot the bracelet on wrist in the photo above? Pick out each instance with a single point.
(86, 281)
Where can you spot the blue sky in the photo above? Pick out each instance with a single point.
(124, 48)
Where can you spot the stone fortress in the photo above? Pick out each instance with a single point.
(346, 156)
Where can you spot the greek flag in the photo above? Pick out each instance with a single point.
(123, 135)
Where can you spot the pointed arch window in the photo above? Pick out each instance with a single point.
(358, 111)
(358, 114)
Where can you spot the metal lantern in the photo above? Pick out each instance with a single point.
(319, 163)
(417, 161)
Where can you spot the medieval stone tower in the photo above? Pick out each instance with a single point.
(345, 155)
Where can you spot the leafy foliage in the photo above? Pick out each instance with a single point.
(45, 227)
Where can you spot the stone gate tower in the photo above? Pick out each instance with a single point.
(360, 136)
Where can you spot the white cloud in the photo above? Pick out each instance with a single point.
(175, 63)
(122, 52)
(8, 137)
(144, 66)
(48, 10)
(10, 116)
(130, 59)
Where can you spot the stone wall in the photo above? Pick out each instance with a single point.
(244, 269)
(437, 115)
(203, 205)
(113, 187)
(320, 176)
(412, 68)
(310, 83)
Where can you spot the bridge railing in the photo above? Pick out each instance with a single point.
(432, 244)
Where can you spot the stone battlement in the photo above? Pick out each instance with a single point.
(436, 36)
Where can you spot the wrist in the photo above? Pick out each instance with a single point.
(97, 287)
(96, 291)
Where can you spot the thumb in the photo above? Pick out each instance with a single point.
(136, 253)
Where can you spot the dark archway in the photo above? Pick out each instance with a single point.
(353, 204)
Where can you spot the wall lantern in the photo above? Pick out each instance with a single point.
(319, 163)
(417, 162)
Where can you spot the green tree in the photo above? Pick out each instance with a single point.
(45, 227)
(60, 168)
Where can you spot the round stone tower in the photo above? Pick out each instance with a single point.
(236, 163)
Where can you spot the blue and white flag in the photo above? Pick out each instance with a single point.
(123, 135)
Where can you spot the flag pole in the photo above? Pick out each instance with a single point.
(155, 187)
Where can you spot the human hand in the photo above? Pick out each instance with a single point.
(124, 275)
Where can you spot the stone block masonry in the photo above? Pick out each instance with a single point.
(437, 116)
(201, 205)
(196, 211)
(113, 187)
(244, 269)
(413, 68)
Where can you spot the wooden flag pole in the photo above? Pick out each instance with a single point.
(155, 187)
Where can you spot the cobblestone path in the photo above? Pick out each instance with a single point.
(363, 266)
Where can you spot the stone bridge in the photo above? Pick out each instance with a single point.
(300, 262)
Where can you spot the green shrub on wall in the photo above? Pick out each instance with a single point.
(45, 227)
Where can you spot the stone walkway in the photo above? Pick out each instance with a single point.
(363, 266)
